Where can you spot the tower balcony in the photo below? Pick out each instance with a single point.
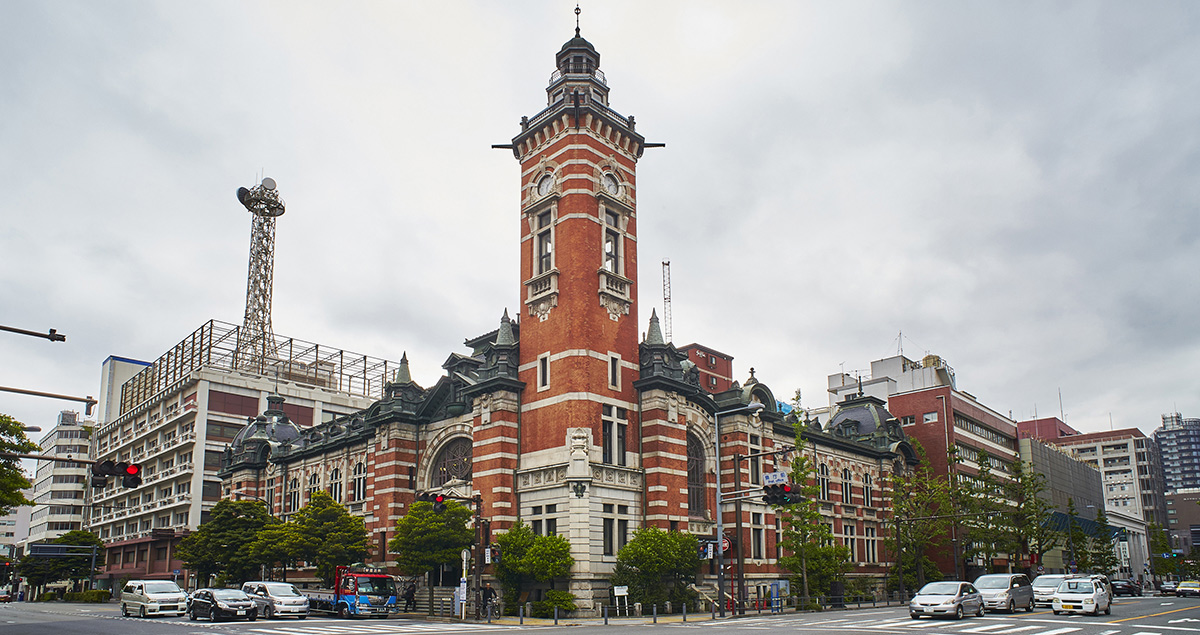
(542, 294)
(594, 73)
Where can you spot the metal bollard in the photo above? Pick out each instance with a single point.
(656, 614)
(521, 614)
(489, 613)
(605, 611)
(685, 611)
(713, 607)
(556, 616)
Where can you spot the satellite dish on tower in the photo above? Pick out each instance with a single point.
(241, 194)
(268, 183)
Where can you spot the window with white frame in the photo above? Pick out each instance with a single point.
(614, 424)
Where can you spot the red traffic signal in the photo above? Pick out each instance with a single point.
(439, 503)
(133, 469)
(132, 476)
(780, 494)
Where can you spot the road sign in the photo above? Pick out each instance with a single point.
(775, 478)
(725, 544)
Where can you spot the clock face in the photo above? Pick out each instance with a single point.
(544, 185)
(610, 182)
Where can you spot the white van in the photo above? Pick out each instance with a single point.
(152, 597)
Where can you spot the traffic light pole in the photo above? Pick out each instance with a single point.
(740, 607)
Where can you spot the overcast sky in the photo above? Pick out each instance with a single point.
(1012, 185)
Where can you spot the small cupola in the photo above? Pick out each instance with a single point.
(577, 67)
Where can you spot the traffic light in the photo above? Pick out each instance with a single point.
(132, 476)
(130, 473)
(780, 494)
(439, 503)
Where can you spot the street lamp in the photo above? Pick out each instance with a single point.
(754, 407)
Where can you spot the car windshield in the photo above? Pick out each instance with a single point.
(1189, 584)
(376, 586)
(280, 590)
(992, 582)
(940, 588)
(228, 594)
(1048, 581)
(165, 586)
(1076, 586)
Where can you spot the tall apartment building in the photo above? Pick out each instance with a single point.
(1179, 446)
(1129, 464)
(176, 416)
(58, 486)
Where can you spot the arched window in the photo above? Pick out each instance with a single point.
(293, 494)
(868, 496)
(314, 484)
(335, 484)
(453, 462)
(823, 481)
(358, 486)
(695, 477)
(847, 487)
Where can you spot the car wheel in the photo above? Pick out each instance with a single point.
(1012, 606)
(124, 610)
(303, 616)
(192, 615)
(251, 618)
(958, 612)
(1029, 607)
(1096, 609)
(1108, 609)
(343, 611)
(1058, 612)
(269, 613)
(914, 616)
(979, 613)
(142, 612)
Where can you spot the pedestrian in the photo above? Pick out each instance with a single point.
(489, 596)
(410, 597)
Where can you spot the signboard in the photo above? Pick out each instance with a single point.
(725, 544)
(620, 590)
(775, 478)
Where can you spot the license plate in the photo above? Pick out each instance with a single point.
(1069, 606)
(241, 612)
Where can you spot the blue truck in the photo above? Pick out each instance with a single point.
(357, 592)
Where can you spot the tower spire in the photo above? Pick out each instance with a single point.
(577, 12)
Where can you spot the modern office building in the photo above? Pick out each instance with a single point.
(1129, 464)
(1179, 447)
(58, 486)
(176, 416)
(1068, 480)
(1183, 519)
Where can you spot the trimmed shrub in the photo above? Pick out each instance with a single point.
(565, 601)
(94, 596)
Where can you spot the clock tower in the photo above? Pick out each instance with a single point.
(578, 426)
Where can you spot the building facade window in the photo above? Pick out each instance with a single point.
(614, 423)
(823, 481)
(868, 495)
(335, 485)
(545, 243)
(697, 487)
(358, 486)
(847, 487)
(612, 244)
(755, 462)
(453, 462)
(543, 367)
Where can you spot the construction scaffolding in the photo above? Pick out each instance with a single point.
(215, 346)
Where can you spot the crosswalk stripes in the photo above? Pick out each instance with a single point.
(374, 628)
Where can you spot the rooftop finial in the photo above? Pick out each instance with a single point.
(577, 12)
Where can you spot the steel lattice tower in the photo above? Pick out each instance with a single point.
(256, 340)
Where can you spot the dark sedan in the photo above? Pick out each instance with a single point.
(1126, 587)
(1167, 587)
(219, 604)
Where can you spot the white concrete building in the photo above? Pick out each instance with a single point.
(59, 486)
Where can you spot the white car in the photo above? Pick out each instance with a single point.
(152, 597)
(1046, 585)
(1082, 595)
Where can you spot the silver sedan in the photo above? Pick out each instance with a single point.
(946, 599)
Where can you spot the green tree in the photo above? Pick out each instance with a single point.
(332, 535)
(917, 498)
(12, 477)
(220, 546)
(1160, 543)
(807, 537)
(37, 571)
(279, 544)
(526, 556)
(1032, 513)
(78, 568)
(988, 527)
(1077, 540)
(426, 540)
(658, 566)
(1103, 555)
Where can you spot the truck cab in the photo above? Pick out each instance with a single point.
(357, 591)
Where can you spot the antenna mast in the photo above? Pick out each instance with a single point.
(667, 299)
(256, 339)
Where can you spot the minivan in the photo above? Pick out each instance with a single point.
(1005, 591)
(152, 597)
(276, 599)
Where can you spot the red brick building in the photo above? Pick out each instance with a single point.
(563, 418)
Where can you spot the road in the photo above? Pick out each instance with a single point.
(1131, 616)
